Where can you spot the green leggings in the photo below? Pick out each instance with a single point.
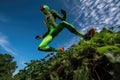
(53, 32)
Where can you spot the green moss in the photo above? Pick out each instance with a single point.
(109, 48)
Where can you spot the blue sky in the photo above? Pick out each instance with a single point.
(21, 21)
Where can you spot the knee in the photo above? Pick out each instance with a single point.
(63, 22)
(40, 48)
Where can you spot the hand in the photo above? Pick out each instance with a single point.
(64, 14)
(63, 11)
(38, 37)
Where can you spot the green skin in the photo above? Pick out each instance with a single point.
(54, 29)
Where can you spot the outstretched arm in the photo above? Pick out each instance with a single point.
(55, 14)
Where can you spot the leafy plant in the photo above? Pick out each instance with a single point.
(95, 59)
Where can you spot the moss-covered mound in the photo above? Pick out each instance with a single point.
(95, 59)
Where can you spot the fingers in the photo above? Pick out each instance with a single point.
(38, 37)
(63, 11)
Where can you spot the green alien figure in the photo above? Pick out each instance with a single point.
(54, 29)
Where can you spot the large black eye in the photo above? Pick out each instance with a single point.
(42, 8)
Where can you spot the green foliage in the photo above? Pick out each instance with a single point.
(95, 59)
(7, 67)
(81, 73)
(108, 49)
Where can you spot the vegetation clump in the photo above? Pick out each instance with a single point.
(94, 59)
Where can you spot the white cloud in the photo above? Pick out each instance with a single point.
(107, 20)
(93, 13)
(100, 6)
(74, 40)
(109, 1)
(113, 9)
(16, 71)
(20, 66)
(4, 44)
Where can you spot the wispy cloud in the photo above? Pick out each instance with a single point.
(21, 64)
(73, 41)
(5, 44)
(7, 47)
(97, 14)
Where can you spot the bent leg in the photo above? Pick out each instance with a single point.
(43, 46)
(71, 28)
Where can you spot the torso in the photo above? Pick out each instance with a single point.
(50, 20)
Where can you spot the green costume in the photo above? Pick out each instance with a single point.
(53, 28)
